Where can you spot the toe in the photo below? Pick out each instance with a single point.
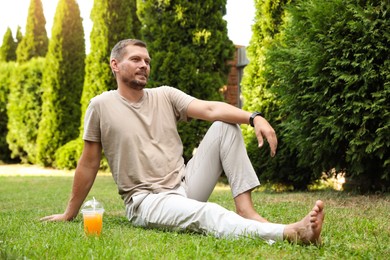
(320, 205)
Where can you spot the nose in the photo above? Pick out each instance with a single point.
(144, 64)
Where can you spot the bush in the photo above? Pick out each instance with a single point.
(6, 69)
(66, 156)
(258, 96)
(330, 71)
(24, 109)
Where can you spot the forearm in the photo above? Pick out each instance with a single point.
(83, 180)
(84, 177)
(219, 111)
(230, 114)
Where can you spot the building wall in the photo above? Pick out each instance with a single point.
(232, 90)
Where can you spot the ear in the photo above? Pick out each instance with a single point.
(114, 65)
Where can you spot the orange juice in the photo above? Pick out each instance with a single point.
(93, 223)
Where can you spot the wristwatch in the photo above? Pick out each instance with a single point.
(253, 117)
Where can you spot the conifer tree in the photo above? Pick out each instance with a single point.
(63, 79)
(19, 35)
(35, 41)
(19, 38)
(189, 46)
(8, 48)
(112, 22)
(135, 23)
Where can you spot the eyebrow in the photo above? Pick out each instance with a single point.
(139, 56)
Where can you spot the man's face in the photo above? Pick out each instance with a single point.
(134, 68)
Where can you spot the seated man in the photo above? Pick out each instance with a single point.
(136, 128)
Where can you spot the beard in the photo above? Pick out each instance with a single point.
(135, 84)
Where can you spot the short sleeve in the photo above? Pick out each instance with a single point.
(92, 124)
(180, 102)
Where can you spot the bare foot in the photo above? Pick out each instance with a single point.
(308, 230)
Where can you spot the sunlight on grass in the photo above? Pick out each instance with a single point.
(334, 181)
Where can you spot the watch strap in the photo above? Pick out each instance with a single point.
(252, 117)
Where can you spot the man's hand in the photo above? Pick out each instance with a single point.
(56, 217)
(264, 130)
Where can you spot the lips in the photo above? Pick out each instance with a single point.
(143, 74)
(142, 77)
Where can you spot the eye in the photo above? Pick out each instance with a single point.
(135, 59)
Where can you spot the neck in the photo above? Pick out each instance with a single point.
(132, 95)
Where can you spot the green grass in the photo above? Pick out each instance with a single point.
(356, 227)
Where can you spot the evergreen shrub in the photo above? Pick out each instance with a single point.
(24, 109)
(258, 96)
(330, 71)
(6, 72)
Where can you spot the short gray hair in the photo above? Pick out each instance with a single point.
(119, 50)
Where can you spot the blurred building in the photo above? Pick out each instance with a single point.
(232, 91)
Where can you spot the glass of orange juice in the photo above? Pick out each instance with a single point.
(93, 217)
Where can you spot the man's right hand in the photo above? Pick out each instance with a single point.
(56, 217)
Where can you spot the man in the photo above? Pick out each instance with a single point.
(136, 128)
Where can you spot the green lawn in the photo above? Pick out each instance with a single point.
(356, 227)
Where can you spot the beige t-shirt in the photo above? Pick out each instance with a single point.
(140, 140)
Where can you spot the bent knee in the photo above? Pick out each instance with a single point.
(226, 126)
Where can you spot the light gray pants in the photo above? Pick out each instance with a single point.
(186, 208)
